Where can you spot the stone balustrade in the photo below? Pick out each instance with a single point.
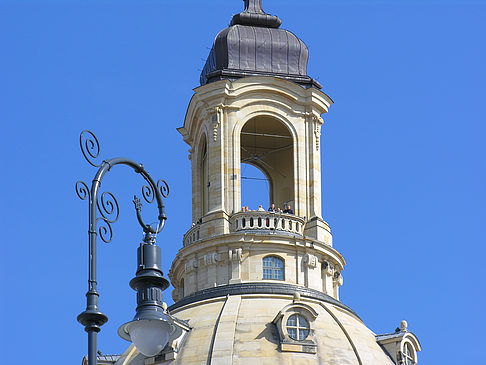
(192, 235)
(255, 221)
(267, 221)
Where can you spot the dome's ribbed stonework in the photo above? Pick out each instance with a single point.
(239, 330)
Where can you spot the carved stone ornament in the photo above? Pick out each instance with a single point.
(175, 295)
(310, 260)
(338, 278)
(317, 133)
(191, 265)
(215, 120)
(328, 268)
(235, 255)
(403, 326)
(317, 129)
(212, 258)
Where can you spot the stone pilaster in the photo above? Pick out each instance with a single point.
(327, 278)
(210, 262)
(235, 257)
(312, 276)
(337, 281)
(190, 275)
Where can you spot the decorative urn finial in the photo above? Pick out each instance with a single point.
(403, 326)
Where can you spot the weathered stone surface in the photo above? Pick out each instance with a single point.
(226, 246)
(244, 334)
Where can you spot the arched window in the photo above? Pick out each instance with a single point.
(273, 268)
(204, 176)
(409, 354)
(297, 327)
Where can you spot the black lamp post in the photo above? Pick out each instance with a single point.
(149, 330)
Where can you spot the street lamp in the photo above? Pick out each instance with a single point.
(149, 330)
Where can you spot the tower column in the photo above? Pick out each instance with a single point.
(216, 196)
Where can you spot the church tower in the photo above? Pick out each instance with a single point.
(260, 286)
(256, 105)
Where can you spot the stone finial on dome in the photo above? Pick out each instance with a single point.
(403, 326)
(254, 15)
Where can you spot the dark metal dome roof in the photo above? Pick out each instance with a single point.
(254, 45)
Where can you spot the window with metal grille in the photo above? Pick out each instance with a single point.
(298, 327)
(273, 268)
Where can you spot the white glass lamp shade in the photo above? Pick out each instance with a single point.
(149, 336)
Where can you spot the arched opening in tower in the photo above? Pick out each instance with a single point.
(255, 188)
(267, 145)
(203, 176)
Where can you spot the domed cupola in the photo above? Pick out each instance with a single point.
(254, 45)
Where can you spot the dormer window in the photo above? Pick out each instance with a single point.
(295, 324)
(273, 268)
(409, 354)
(401, 346)
(298, 327)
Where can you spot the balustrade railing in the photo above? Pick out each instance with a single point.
(192, 235)
(255, 221)
(262, 220)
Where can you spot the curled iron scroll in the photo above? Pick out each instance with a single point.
(90, 147)
(106, 204)
(82, 190)
(108, 207)
(163, 188)
(104, 229)
(148, 193)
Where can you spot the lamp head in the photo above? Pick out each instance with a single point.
(149, 336)
(149, 331)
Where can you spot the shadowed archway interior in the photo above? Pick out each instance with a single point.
(267, 144)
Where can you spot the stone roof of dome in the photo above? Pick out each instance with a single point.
(242, 329)
(255, 45)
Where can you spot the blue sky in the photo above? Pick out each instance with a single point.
(403, 157)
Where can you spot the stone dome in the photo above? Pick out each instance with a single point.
(252, 323)
(247, 324)
(254, 45)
